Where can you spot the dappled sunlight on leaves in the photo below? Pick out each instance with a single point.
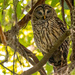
(25, 35)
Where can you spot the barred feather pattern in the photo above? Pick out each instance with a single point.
(46, 33)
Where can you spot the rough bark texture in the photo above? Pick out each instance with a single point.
(73, 34)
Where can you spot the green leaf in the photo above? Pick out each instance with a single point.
(54, 2)
(1, 1)
(0, 16)
(65, 5)
(18, 11)
(36, 73)
(39, 57)
(10, 11)
(73, 72)
(49, 68)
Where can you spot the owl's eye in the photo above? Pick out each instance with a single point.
(48, 11)
(39, 12)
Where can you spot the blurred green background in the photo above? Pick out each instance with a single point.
(25, 35)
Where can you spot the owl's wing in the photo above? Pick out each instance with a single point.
(60, 24)
(63, 48)
(63, 28)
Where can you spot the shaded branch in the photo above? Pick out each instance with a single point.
(63, 15)
(15, 2)
(10, 35)
(48, 55)
(27, 17)
(69, 4)
(70, 67)
(73, 35)
(72, 2)
(21, 49)
(31, 3)
(6, 57)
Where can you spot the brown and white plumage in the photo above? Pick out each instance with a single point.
(47, 28)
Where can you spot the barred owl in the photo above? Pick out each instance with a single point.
(47, 28)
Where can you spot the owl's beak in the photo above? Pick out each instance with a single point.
(44, 17)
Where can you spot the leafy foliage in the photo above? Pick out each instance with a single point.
(25, 35)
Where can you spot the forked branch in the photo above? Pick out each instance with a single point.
(48, 55)
(9, 35)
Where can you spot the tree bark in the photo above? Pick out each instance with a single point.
(73, 34)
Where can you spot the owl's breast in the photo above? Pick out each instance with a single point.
(45, 35)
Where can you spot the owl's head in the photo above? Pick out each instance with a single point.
(42, 12)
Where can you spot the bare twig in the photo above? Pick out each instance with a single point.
(71, 67)
(14, 57)
(15, 7)
(10, 35)
(22, 50)
(6, 57)
(8, 69)
(48, 55)
(29, 53)
(73, 34)
(31, 3)
(15, 2)
(72, 2)
(3, 12)
(63, 15)
(27, 17)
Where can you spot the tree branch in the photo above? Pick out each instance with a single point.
(10, 35)
(3, 37)
(9, 69)
(27, 17)
(31, 3)
(6, 56)
(15, 2)
(73, 34)
(48, 55)
(72, 2)
(22, 50)
(63, 15)
(69, 4)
